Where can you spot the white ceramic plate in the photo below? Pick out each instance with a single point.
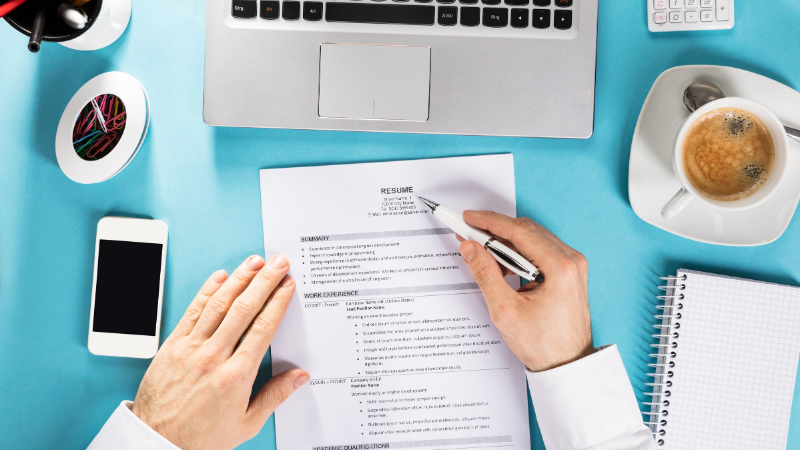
(652, 183)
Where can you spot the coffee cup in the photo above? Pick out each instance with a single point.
(689, 192)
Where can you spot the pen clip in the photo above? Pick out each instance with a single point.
(512, 263)
(504, 256)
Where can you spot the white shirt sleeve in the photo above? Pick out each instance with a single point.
(124, 431)
(589, 404)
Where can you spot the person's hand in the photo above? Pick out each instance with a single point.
(546, 325)
(196, 392)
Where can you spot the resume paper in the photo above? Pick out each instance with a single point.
(386, 317)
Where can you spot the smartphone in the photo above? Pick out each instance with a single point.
(128, 287)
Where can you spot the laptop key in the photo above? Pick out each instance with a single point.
(243, 9)
(517, 2)
(291, 10)
(446, 1)
(423, 1)
(564, 4)
(563, 19)
(541, 18)
(495, 17)
(470, 16)
(270, 9)
(380, 13)
(490, 2)
(541, 2)
(519, 18)
(448, 15)
(468, 2)
(312, 11)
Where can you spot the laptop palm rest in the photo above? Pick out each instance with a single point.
(389, 82)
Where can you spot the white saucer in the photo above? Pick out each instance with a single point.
(652, 183)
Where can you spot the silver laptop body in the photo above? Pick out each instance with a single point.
(521, 70)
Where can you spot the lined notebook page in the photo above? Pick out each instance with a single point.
(736, 364)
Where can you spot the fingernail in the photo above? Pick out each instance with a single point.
(219, 276)
(287, 282)
(255, 263)
(301, 380)
(280, 262)
(468, 251)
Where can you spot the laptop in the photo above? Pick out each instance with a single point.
(470, 67)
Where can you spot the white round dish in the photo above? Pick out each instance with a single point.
(652, 182)
(132, 94)
(111, 22)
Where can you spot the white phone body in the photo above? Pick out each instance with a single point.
(125, 319)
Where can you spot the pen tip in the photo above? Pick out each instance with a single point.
(539, 278)
(428, 202)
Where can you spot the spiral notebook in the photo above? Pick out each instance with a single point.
(726, 363)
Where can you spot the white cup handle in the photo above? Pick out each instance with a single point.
(674, 206)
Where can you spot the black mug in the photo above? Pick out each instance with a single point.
(55, 29)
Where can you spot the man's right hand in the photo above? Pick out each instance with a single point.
(546, 325)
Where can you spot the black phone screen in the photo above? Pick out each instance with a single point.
(128, 281)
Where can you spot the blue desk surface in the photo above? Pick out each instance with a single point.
(203, 182)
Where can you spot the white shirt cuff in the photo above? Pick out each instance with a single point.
(124, 431)
(586, 402)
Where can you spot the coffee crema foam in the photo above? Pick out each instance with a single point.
(728, 154)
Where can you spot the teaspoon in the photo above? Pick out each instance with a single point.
(699, 93)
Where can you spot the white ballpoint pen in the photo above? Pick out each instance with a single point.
(504, 255)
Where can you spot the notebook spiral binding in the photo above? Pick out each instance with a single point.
(665, 364)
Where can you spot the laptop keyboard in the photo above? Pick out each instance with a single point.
(553, 19)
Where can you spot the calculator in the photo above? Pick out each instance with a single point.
(689, 15)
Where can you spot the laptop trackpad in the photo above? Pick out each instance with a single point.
(374, 81)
